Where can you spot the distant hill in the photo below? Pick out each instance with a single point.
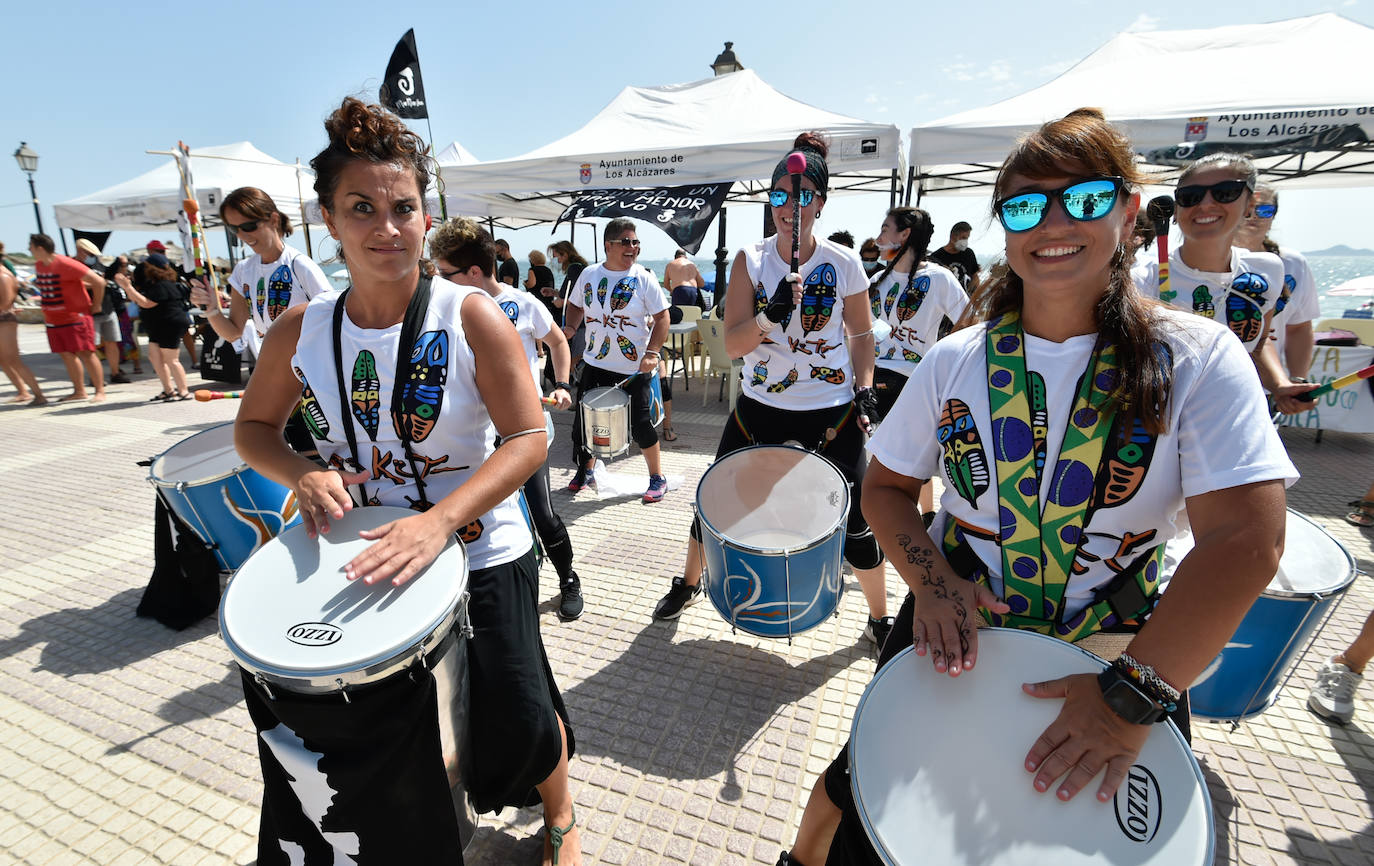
(1340, 250)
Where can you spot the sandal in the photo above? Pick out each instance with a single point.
(669, 434)
(1362, 516)
(160, 398)
(555, 835)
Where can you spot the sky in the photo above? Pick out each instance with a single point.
(93, 86)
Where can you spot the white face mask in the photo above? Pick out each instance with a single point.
(961, 245)
(889, 247)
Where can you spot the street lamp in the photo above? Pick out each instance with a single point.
(28, 163)
(726, 61)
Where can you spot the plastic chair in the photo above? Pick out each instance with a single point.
(718, 361)
(691, 340)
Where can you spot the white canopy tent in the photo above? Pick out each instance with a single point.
(153, 199)
(1292, 93)
(730, 128)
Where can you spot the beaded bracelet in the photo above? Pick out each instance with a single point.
(1148, 681)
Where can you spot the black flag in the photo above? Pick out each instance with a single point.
(402, 90)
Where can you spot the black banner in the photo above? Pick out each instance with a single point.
(1350, 135)
(403, 91)
(683, 213)
(97, 238)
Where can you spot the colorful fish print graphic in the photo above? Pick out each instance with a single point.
(946, 326)
(910, 303)
(587, 294)
(604, 350)
(622, 293)
(1202, 302)
(511, 309)
(311, 410)
(828, 374)
(875, 300)
(1246, 319)
(367, 394)
(601, 292)
(471, 532)
(891, 352)
(1124, 466)
(760, 374)
(626, 347)
(278, 292)
(892, 294)
(818, 298)
(966, 465)
(784, 383)
(760, 298)
(422, 387)
(1038, 399)
(908, 355)
(260, 297)
(1289, 284)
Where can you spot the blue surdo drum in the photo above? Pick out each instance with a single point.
(773, 520)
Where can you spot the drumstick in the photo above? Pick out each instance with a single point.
(1160, 210)
(207, 396)
(548, 401)
(1348, 379)
(796, 164)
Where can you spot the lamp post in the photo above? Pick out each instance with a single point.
(726, 61)
(28, 163)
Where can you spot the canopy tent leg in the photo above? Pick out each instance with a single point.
(892, 196)
(229, 242)
(911, 181)
(62, 235)
(721, 252)
(309, 250)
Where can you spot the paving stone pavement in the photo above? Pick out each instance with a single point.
(122, 741)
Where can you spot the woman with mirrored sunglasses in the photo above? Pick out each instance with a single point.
(1070, 430)
(1213, 278)
(1299, 303)
(803, 382)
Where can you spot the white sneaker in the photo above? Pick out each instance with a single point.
(1333, 696)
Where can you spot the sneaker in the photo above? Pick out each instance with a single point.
(877, 630)
(579, 480)
(680, 596)
(570, 605)
(1333, 696)
(658, 485)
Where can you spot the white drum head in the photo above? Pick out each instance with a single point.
(937, 768)
(602, 399)
(1313, 562)
(773, 498)
(289, 612)
(204, 456)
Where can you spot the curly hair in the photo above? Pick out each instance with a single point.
(362, 131)
(462, 243)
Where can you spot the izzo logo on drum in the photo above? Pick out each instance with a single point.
(1138, 805)
(601, 435)
(314, 634)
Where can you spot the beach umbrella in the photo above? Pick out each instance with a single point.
(1360, 287)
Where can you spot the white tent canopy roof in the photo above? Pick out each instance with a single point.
(730, 128)
(153, 199)
(1183, 93)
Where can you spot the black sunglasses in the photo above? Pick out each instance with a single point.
(250, 226)
(448, 275)
(626, 242)
(1082, 200)
(1223, 192)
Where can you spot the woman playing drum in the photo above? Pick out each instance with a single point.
(463, 381)
(801, 381)
(1079, 398)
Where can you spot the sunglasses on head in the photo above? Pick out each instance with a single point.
(1266, 211)
(633, 243)
(448, 275)
(1082, 200)
(1223, 192)
(780, 197)
(250, 226)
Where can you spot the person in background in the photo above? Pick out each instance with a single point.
(956, 256)
(128, 340)
(843, 238)
(539, 282)
(6, 263)
(871, 256)
(1299, 303)
(508, 271)
(1333, 694)
(71, 293)
(165, 320)
(684, 282)
(106, 319)
(25, 385)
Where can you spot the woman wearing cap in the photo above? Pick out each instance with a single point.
(802, 380)
(1073, 372)
(1216, 280)
(165, 321)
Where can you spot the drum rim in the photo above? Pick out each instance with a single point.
(823, 538)
(373, 669)
(602, 390)
(157, 480)
(867, 823)
(1306, 595)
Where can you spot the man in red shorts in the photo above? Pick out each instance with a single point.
(71, 293)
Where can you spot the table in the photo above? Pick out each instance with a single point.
(678, 341)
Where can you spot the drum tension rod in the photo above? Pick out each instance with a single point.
(343, 690)
(257, 678)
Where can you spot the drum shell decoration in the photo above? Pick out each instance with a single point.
(606, 421)
(232, 508)
(773, 527)
(1245, 679)
(936, 768)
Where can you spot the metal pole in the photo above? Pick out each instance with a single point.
(37, 214)
(63, 238)
(229, 242)
(300, 197)
(892, 197)
(721, 253)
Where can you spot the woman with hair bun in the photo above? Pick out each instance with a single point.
(803, 381)
(438, 459)
(1070, 371)
(917, 299)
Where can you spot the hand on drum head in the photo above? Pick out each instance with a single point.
(322, 496)
(946, 621)
(1086, 737)
(404, 548)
